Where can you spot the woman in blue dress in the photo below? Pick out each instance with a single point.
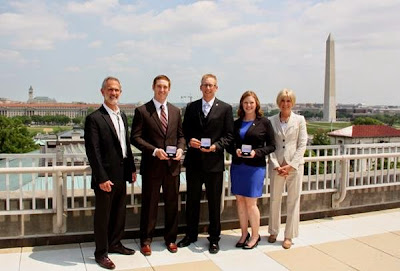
(248, 168)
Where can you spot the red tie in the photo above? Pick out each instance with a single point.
(163, 119)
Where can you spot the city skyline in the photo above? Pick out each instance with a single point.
(64, 49)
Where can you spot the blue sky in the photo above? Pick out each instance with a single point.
(64, 49)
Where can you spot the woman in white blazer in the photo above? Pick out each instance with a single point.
(286, 167)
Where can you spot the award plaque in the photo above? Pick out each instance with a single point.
(246, 150)
(205, 143)
(171, 151)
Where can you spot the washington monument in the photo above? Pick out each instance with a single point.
(330, 89)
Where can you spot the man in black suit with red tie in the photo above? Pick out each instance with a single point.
(157, 132)
(109, 152)
(208, 129)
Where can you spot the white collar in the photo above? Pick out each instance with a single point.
(211, 102)
(110, 111)
(157, 104)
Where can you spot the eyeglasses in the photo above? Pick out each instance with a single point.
(208, 85)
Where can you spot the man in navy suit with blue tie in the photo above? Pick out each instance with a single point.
(208, 129)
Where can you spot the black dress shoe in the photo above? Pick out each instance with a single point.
(214, 248)
(121, 250)
(239, 244)
(246, 246)
(105, 262)
(186, 241)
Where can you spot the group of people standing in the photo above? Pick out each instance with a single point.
(207, 130)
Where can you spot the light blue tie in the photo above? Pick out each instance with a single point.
(206, 109)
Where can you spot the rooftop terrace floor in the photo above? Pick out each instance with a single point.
(368, 241)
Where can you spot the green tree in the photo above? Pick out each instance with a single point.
(90, 110)
(61, 120)
(311, 114)
(14, 137)
(271, 113)
(37, 119)
(77, 120)
(24, 119)
(130, 120)
(367, 121)
(320, 138)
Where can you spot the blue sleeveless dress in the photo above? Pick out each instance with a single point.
(247, 180)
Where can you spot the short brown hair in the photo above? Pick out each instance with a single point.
(161, 77)
(207, 75)
(241, 113)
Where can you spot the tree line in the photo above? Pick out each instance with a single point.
(49, 120)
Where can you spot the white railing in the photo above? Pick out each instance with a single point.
(54, 183)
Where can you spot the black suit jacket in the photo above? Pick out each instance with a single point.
(218, 126)
(147, 135)
(104, 151)
(260, 136)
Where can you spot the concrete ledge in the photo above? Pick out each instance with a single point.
(36, 230)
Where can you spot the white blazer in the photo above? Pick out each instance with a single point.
(291, 143)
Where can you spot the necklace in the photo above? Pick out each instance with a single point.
(283, 120)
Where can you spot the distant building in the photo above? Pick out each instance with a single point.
(360, 134)
(39, 99)
(64, 145)
(44, 106)
(71, 110)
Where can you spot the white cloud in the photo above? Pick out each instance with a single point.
(235, 35)
(118, 63)
(94, 6)
(34, 26)
(95, 44)
(153, 51)
(12, 56)
(261, 45)
(182, 20)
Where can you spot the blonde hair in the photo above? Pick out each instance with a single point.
(204, 77)
(286, 92)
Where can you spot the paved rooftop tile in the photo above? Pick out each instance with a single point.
(367, 241)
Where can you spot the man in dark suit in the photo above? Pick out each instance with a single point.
(208, 129)
(110, 156)
(157, 132)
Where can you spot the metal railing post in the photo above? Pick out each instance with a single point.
(339, 196)
(60, 217)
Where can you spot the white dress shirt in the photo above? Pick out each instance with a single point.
(157, 104)
(119, 128)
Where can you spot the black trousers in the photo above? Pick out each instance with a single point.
(213, 182)
(109, 217)
(150, 199)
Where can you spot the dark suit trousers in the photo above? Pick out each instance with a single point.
(150, 198)
(109, 217)
(213, 183)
